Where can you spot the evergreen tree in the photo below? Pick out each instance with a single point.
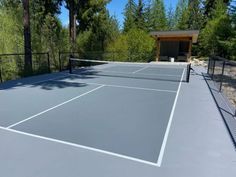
(181, 15)
(129, 15)
(158, 17)
(210, 6)
(195, 14)
(100, 30)
(170, 18)
(140, 16)
(147, 16)
(215, 38)
(88, 11)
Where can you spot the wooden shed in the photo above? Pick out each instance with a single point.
(175, 45)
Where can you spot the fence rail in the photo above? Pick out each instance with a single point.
(223, 73)
(12, 65)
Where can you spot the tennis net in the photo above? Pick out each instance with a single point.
(177, 72)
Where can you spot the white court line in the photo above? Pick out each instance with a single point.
(159, 161)
(80, 146)
(128, 87)
(31, 117)
(144, 74)
(140, 69)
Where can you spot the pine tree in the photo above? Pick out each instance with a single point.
(195, 14)
(147, 16)
(96, 27)
(181, 15)
(158, 17)
(140, 15)
(130, 16)
(210, 6)
(216, 37)
(170, 18)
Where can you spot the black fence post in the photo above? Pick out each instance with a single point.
(60, 67)
(49, 65)
(213, 69)
(70, 64)
(209, 63)
(221, 77)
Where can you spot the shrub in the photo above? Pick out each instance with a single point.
(135, 45)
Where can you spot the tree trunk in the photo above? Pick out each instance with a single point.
(72, 24)
(27, 37)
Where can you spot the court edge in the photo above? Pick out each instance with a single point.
(162, 151)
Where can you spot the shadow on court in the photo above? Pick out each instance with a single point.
(50, 85)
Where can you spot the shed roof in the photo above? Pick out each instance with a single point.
(175, 34)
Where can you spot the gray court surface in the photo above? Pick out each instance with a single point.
(98, 125)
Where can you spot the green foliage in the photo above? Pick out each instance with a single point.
(158, 18)
(195, 19)
(88, 12)
(181, 15)
(140, 16)
(48, 35)
(98, 31)
(135, 45)
(103, 30)
(11, 39)
(183, 21)
(170, 18)
(129, 15)
(8, 68)
(216, 36)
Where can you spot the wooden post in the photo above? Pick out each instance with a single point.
(189, 49)
(158, 49)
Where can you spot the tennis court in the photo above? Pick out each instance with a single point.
(120, 110)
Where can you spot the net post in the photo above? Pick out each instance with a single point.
(188, 72)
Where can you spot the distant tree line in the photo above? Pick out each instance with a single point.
(33, 26)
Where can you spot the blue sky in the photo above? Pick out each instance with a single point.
(115, 7)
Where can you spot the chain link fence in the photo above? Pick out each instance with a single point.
(223, 73)
(12, 65)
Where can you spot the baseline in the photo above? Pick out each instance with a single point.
(80, 146)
